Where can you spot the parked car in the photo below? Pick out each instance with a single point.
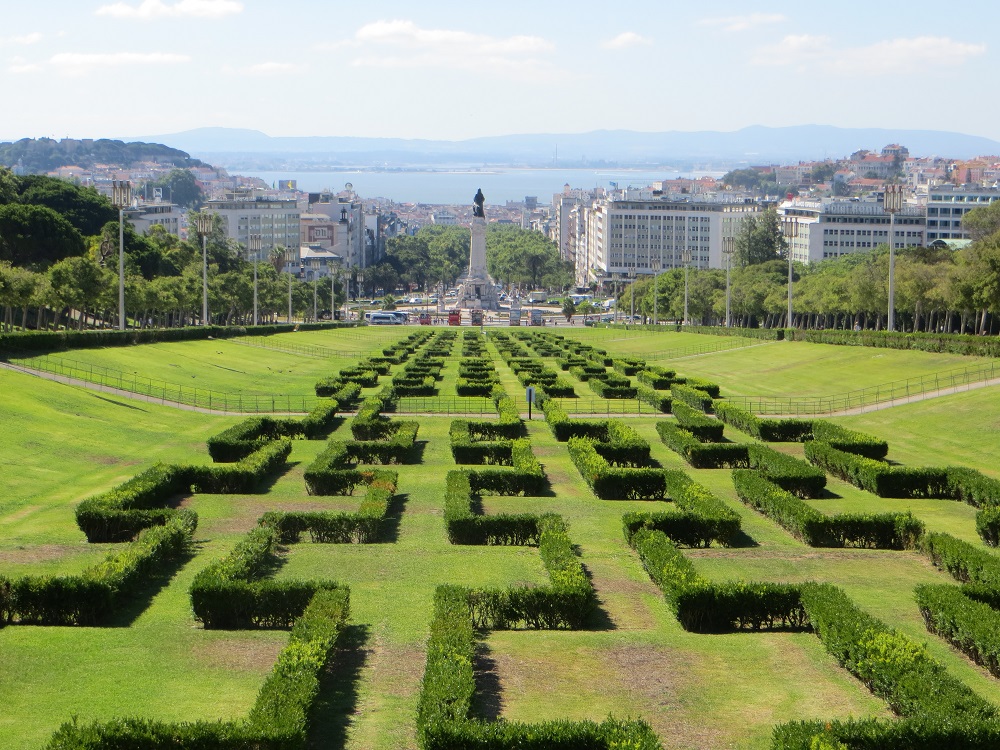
(384, 319)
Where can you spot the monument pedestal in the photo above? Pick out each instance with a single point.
(476, 290)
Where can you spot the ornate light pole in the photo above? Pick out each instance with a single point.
(728, 247)
(686, 255)
(631, 293)
(790, 228)
(656, 289)
(334, 278)
(892, 204)
(121, 192)
(204, 223)
(254, 244)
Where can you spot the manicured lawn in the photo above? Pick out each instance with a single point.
(697, 691)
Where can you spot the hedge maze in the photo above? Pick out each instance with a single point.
(687, 495)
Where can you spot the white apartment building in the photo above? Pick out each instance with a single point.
(946, 205)
(626, 235)
(146, 215)
(275, 221)
(830, 229)
(349, 240)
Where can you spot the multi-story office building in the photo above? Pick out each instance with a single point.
(350, 238)
(834, 228)
(946, 205)
(275, 221)
(637, 232)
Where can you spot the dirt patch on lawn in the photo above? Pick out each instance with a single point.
(237, 654)
(39, 554)
(654, 677)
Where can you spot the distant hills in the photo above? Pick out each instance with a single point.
(46, 154)
(751, 145)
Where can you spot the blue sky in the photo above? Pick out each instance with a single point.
(101, 68)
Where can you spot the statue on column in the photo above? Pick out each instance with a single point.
(479, 200)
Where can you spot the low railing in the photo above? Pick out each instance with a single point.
(866, 398)
(164, 392)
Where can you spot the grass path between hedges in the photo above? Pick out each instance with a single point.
(698, 691)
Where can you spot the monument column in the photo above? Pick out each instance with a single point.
(477, 251)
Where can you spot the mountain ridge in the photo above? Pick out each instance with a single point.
(752, 144)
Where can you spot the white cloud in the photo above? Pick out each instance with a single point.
(149, 9)
(742, 23)
(403, 44)
(77, 63)
(20, 65)
(23, 40)
(625, 40)
(885, 57)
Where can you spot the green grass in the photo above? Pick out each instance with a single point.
(698, 691)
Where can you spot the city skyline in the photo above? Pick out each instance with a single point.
(114, 69)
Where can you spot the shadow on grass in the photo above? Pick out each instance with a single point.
(743, 540)
(118, 403)
(599, 619)
(416, 454)
(487, 703)
(337, 701)
(132, 604)
(389, 532)
(329, 429)
(266, 484)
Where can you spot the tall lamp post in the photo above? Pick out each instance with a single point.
(631, 293)
(204, 223)
(790, 228)
(656, 290)
(121, 192)
(686, 255)
(315, 289)
(254, 244)
(334, 278)
(892, 204)
(289, 294)
(728, 247)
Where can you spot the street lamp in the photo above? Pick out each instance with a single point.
(334, 278)
(289, 291)
(204, 223)
(686, 255)
(631, 292)
(656, 289)
(728, 247)
(790, 228)
(121, 191)
(892, 204)
(315, 288)
(254, 244)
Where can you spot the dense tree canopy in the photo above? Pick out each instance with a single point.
(759, 239)
(83, 207)
(181, 188)
(36, 236)
(521, 256)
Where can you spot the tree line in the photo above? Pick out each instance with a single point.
(955, 291)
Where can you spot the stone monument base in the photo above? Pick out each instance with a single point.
(476, 290)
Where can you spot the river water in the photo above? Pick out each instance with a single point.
(457, 186)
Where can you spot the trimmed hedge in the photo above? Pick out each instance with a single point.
(790, 473)
(703, 607)
(704, 428)
(92, 596)
(250, 435)
(329, 527)
(279, 719)
(444, 708)
(970, 626)
(955, 343)
(564, 428)
(768, 430)
(850, 441)
(693, 397)
(892, 666)
(660, 402)
(878, 477)
(119, 514)
(612, 483)
(869, 531)
(232, 593)
(703, 455)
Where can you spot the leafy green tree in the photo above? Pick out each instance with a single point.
(523, 256)
(982, 221)
(36, 236)
(569, 309)
(78, 283)
(8, 186)
(182, 187)
(760, 239)
(749, 179)
(83, 207)
(823, 172)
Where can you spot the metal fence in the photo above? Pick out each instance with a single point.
(438, 405)
(306, 350)
(731, 343)
(871, 396)
(164, 392)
